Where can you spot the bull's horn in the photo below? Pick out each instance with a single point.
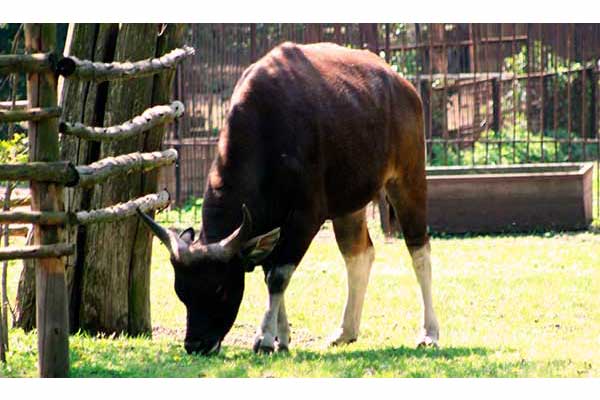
(231, 245)
(171, 240)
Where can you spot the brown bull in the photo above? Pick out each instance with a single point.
(313, 133)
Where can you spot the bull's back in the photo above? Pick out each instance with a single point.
(343, 114)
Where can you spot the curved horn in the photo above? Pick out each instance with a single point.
(234, 241)
(229, 246)
(171, 240)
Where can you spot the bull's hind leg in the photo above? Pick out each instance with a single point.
(408, 196)
(355, 244)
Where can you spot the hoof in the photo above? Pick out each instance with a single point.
(260, 347)
(427, 342)
(341, 342)
(283, 345)
(283, 349)
(338, 339)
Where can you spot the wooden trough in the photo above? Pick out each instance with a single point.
(517, 198)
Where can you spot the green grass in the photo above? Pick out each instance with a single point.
(182, 217)
(508, 306)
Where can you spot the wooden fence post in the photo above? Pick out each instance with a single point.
(371, 36)
(252, 43)
(497, 105)
(594, 74)
(425, 91)
(51, 293)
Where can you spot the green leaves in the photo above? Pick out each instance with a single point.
(14, 150)
(510, 147)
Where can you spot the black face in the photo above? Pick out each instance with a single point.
(212, 294)
(209, 278)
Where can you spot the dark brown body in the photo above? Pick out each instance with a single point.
(314, 132)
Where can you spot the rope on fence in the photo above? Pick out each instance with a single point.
(74, 68)
(149, 119)
(27, 63)
(32, 114)
(100, 171)
(149, 202)
(37, 251)
(65, 173)
(122, 210)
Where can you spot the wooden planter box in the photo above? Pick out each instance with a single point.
(515, 198)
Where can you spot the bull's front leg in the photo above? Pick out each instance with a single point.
(274, 324)
(283, 328)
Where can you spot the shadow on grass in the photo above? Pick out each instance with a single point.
(394, 352)
(241, 362)
(390, 361)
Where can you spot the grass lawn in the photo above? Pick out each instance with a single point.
(508, 306)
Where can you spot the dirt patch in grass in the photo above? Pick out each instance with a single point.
(166, 332)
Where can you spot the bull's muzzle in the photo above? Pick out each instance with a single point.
(204, 347)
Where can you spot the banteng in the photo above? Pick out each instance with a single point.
(313, 133)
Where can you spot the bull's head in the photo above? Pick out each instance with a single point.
(209, 278)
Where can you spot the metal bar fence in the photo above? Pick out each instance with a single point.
(493, 93)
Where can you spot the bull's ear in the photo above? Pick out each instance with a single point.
(187, 235)
(258, 248)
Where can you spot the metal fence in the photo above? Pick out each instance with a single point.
(205, 84)
(493, 93)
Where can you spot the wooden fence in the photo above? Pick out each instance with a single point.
(48, 175)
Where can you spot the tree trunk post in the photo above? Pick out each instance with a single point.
(139, 278)
(83, 102)
(108, 271)
(25, 304)
(51, 291)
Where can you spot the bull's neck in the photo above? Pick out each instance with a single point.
(231, 182)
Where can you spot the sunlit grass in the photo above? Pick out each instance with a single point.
(509, 306)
